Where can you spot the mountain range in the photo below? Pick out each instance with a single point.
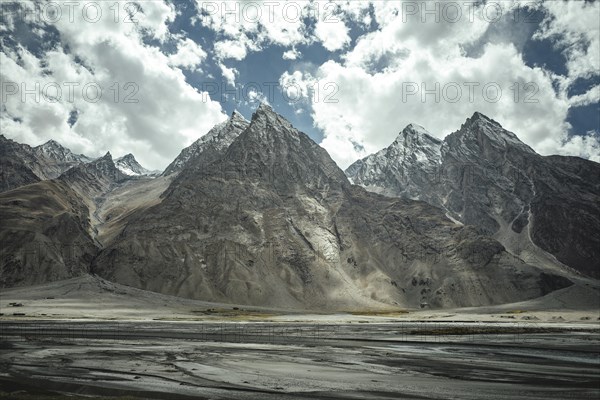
(21, 164)
(545, 210)
(255, 212)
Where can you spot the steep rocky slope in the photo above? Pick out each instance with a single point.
(57, 159)
(48, 228)
(274, 221)
(17, 165)
(45, 234)
(416, 158)
(212, 145)
(544, 209)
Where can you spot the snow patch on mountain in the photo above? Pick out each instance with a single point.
(130, 167)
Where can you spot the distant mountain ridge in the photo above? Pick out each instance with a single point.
(57, 158)
(21, 164)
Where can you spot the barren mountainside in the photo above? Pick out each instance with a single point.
(543, 209)
(257, 213)
(275, 221)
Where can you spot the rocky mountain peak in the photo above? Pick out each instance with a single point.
(236, 123)
(272, 149)
(56, 159)
(236, 115)
(479, 123)
(52, 146)
(415, 135)
(52, 142)
(480, 117)
(264, 107)
(484, 131)
(103, 163)
(414, 129)
(260, 214)
(488, 178)
(212, 144)
(100, 171)
(265, 113)
(54, 150)
(8, 143)
(266, 120)
(130, 166)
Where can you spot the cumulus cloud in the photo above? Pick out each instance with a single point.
(586, 146)
(297, 86)
(244, 27)
(332, 34)
(414, 68)
(229, 74)
(590, 97)
(254, 98)
(127, 95)
(291, 54)
(236, 50)
(574, 27)
(397, 65)
(189, 55)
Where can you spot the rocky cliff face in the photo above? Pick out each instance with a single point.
(273, 221)
(94, 178)
(543, 209)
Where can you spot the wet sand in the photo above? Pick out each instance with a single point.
(286, 360)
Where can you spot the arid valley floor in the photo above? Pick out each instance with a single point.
(132, 344)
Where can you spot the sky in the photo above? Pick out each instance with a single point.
(151, 77)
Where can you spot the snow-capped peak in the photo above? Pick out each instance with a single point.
(129, 166)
